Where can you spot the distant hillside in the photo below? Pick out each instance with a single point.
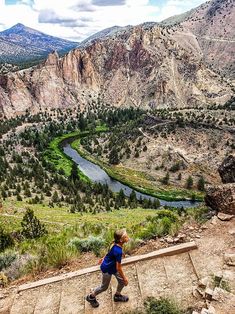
(21, 44)
(101, 35)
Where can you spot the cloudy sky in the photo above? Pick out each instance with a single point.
(78, 19)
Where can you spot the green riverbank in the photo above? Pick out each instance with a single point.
(137, 180)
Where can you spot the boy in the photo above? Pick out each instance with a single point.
(111, 265)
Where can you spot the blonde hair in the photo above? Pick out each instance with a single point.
(118, 234)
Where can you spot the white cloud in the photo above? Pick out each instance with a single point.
(77, 19)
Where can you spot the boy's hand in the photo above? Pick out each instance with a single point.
(125, 281)
(100, 261)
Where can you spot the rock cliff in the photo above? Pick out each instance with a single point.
(147, 65)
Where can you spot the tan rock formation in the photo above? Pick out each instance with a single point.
(147, 66)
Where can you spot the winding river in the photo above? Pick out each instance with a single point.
(96, 174)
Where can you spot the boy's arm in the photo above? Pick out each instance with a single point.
(120, 271)
(100, 261)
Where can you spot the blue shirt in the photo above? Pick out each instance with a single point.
(109, 262)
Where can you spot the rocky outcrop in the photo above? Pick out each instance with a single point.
(142, 67)
(221, 198)
(214, 25)
(227, 170)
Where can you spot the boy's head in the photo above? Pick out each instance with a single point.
(120, 236)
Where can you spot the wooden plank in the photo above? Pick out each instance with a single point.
(176, 249)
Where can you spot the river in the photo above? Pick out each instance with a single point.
(96, 174)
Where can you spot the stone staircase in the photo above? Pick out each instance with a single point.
(166, 272)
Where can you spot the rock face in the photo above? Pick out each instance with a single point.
(214, 23)
(221, 198)
(148, 65)
(227, 170)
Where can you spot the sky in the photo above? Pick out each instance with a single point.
(77, 19)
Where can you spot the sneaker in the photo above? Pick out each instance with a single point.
(92, 300)
(120, 298)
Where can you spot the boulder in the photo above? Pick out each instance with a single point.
(227, 170)
(221, 198)
(229, 257)
(225, 217)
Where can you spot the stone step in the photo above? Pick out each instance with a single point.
(48, 299)
(207, 262)
(6, 303)
(73, 296)
(181, 277)
(152, 283)
(132, 291)
(93, 280)
(25, 302)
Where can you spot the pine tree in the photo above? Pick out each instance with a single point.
(166, 179)
(74, 173)
(201, 184)
(189, 183)
(113, 157)
(121, 198)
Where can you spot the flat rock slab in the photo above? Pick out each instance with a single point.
(48, 299)
(152, 283)
(25, 302)
(104, 299)
(73, 296)
(181, 276)
(132, 290)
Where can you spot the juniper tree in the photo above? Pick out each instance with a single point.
(32, 228)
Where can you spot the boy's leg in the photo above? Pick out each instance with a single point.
(121, 284)
(118, 297)
(91, 298)
(106, 277)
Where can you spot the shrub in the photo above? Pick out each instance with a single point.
(91, 243)
(32, 228)
(163, 223)
(3, 280)
(161, 306)
(57, 254)
(6, 259)
(162, 214)
(5, 240)
(189, 183)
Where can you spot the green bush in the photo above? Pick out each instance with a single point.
(5, 240)
(91, 243)
(6, 259)
(163, 223)
(161, 306)
(162, 214)
(32, 228)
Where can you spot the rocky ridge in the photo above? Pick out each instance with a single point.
(22, 44)
(149, 65)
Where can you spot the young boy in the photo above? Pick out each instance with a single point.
(111, 265)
